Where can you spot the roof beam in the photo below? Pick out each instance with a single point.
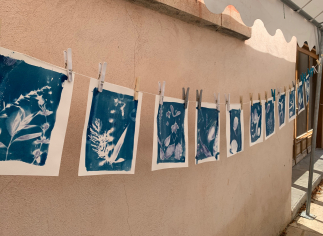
(296, 8)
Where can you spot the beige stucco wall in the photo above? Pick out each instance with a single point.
(247, 194)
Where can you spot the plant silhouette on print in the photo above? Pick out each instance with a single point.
(282, 109)
(235, 131)
(170, 133)
(270, 117)
(255, 122)
(292, 103)
(207, 134)
(30, 96)
(307, 89)
(300, 97)
(110, 132)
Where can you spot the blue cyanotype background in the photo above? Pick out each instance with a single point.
(282, 109)
(207, 133)
(300, 97)
(110, 132)
(255, 122)
(235, 131)
(291, 105)
(270, 117)
(29, 98)
(170, 133)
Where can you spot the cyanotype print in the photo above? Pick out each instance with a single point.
(300, 97)
(170, 134)
(282, 110)
(270, 118)
(29, 99)
(110, 133)
(291, 104)
(234, 129)
(256, 120)
(207, 146)
(307, 88)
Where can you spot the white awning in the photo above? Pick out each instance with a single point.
(277, 15)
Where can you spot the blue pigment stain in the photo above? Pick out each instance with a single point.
(269, 117)
(292, 104)
(235, 131)
(255, 122)
(170, 133)
(207, 134)
(282, 109)
(29, 99)
(111, 132)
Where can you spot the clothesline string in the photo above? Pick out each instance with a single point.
(157, 94)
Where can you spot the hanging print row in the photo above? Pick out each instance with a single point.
(35, 99)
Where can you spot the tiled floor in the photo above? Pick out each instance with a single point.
(300, 179)
(305, 227)
(302, 226)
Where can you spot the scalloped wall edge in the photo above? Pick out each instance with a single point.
(274, 16)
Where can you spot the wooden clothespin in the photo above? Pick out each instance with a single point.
(266, 97)
(273, 94)
(251, 102)
(217, 101)
(199, 98)
(285, 90)
(227, 101)
(311, 71)
(290, 88)
(185, 96)
(259, 98)
(318, 62)
(102, 69)
(136, 89)
(161, 92)
(294, 85)
(68, 64)
(279, 92)
(314, 69)
(241, 102)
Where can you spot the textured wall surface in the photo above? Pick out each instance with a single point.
(247, 194)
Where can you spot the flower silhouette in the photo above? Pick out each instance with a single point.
(37, 153)
(45, 126)
(42, 140)
(174, 128)
(45, 112)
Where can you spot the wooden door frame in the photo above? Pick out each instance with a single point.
(302, 143)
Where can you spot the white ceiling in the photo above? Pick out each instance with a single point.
(275, 15)
(312, 7)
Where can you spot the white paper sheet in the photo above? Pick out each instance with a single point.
(233, 147)
(291, 106)
(55, 141)
(270, 123)
(261, 136)
(300, 99)
(216, 136)
(281, 125)
(172, 114)
(106, 161)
